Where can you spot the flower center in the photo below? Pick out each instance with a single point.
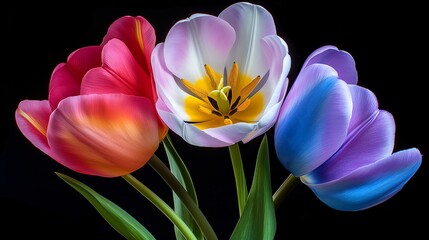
(218, 100)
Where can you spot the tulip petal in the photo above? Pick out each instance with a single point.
(187, 131)
(267, 120)
(340, 60)
(275, 87)
(167, 87)
(138, 34)
(313, 128)
(233, 133)
(365, 104)
(120, 73)
(276, 52)
(67, 77)
(373, 140)
(369, 185)
(251, 23)
(307, 79)
(195, 41)
(106, 135)
(171, 93)
(32, 117)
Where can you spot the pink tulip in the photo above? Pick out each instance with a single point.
(100, 117)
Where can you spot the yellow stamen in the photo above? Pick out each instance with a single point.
(217, 101)
(233, 75)
(211, 73)
(244, 105)
(197, 91)
(244, 93)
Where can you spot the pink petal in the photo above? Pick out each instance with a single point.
(67, 77)
(32, 118)
(106, 135)
(120, 73)
(139, 36)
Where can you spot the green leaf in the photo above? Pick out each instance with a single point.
(258, 220)
(119, 219)
(179, 170)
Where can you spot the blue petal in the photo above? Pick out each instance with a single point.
(370, 185)
(371, 141)
(313, 128)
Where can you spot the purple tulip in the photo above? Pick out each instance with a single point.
(332, 135)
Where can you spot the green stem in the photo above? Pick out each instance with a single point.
(280, 195)
(240, 178)
(183, 170)
(181, 192)
(161, 205)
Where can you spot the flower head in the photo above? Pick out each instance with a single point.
(221, 80)
(331, 134)
(100, 117)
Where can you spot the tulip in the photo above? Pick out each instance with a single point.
(221, 79)
(333, 136)
(100, 117)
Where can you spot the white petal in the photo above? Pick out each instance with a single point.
(167, 87)
(276, 52)
(265, 123)
(233, 133)
(198, 40)
(251, 23)
(188, 132)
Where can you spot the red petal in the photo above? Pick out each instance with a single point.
(106, 135)
(67, 77)
(32, 118)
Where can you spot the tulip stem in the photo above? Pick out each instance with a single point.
(182, 167)
(240, 178)
(280, 195)
(181, 192)
(161, 205)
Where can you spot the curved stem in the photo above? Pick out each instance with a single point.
(161, 205)
(240, 178)
(181, 192)
(280, 195)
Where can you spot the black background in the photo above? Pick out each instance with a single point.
(389, 46)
